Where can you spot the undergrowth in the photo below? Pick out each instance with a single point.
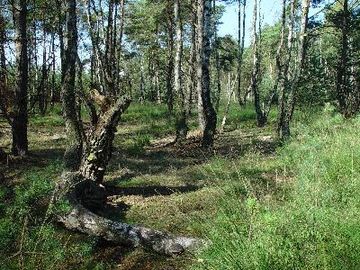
(29, 237)
(315, 227)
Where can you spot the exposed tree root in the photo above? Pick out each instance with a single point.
(83, 220)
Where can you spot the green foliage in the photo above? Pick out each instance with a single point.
(316, 227)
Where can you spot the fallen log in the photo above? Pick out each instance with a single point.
(81, 219)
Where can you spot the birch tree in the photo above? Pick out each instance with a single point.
(203, 71)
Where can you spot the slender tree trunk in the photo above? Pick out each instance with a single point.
(3, 75)
(60, 30)
(42, 91)
(191, 82)
(241, 43)
(198, 36)
(217, 59)
(288, 100)
(230, 91)
(300, 57)
(109, 31)
(181, 115)
(170, 62)
(53, 81)
(346, 94)
(203, 71)
(19, 119)
(74, 150)
(120, 40)
(255, 80)
(284, 127)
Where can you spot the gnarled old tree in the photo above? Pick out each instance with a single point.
(292, 66)
(203, 73)
(86, 160)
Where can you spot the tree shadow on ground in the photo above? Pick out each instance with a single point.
(148, 191)
(162, 157)
(115, 209)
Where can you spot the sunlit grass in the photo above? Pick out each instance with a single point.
(315, 226)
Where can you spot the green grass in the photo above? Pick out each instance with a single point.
(29, 238)
(293, 209)
(314, 226)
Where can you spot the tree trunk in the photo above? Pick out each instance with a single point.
(80, 184)
(73, 125)
(283, 127)
(227, 107)
(347, 95)
(181, 114)
(3, 75)
(191, 78)
(254, 84)
(85, 221)
(217, 60)
(53, 96)
(241, 43)
(289, 83)
(203, 71)
(42, 93)
(170, 60)
(19, 118)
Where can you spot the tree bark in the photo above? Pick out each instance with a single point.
(217, 59)
(3, 74)
(203, 72)
(42, 87)
(290, 83)
(198, 35)
(283, 128)
(85, 221)
(230, 88)
(347, 93)
(19, 117)
(255, 80)
(181, 114)
(241, 44)
(170, 60)
(72, 157)
(191, 78)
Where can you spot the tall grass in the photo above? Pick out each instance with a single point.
(29, 238)
(316, 226)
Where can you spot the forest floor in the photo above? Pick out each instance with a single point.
(153, 182)
(231, 195)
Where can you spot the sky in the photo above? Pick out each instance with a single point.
(271, 9)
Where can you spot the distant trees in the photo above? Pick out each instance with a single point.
(292, 67)
(347, 79)
(261, 111)
(88, 155)
(99, 55)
